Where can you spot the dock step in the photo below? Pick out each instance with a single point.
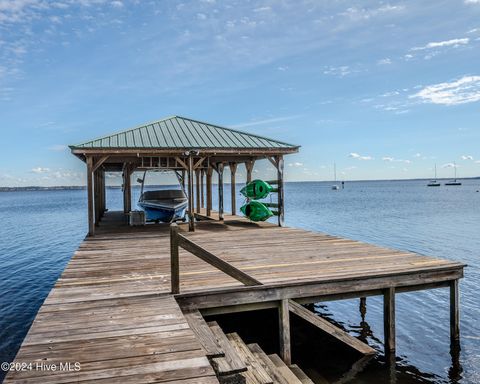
(230, 363)
(280, 376)
(204, 334)
(236, 363)
(256, 373)
(302, 376)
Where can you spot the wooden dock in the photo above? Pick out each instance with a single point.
(113, 312)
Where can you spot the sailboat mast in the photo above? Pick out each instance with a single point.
(334, 172)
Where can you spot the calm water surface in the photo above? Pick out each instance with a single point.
(41, 230)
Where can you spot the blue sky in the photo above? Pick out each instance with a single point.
(384, 89)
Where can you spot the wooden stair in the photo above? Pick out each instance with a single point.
(234, 362)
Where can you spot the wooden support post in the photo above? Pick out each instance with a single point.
(197, 182)
(284, 329)
(174, 262)
(183, 179)
(454, 313)
(202, 190)
(91, 222)
(96, 196)
(191, 216)
(363, 307)
(281, 210)
(209, 190)
(104, 194)
(389, 320)
(129, 188)
(249, 167)
(127, 196)
(233, 170)
(220, 190)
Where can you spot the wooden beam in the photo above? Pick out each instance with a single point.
(99, 162)
(191, 216)
(389, 320)
(197, 185)
(249, 167)
(198, 163)
(280, 193)
(315, 291)
(215, 261)
(91, 219)
(182, 163)
(331, 329)
(220, 190)
(233, 170)
(209, 190)
(454, 313)
(284, 331)
(174, 262)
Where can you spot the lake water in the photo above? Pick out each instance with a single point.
(41, 230)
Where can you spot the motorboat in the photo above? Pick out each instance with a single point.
(165, 205)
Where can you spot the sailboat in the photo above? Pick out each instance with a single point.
(335, 186)
(434, 182)
(454, 181)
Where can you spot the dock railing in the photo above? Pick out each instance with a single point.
(179, 241)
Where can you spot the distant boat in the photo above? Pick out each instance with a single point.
(335, 186)
(454, 181)
(434, 182)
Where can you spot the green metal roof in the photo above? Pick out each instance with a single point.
(179, 132)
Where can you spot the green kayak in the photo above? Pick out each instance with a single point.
(256, 211)
(257, 189)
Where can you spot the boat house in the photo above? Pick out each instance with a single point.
(190, 147)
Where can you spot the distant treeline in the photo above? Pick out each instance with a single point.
(33, 188)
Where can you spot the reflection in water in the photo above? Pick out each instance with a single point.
(381, 368)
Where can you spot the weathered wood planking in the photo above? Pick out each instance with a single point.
(112, 310)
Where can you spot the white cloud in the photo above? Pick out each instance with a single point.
(266, 121)
(472, 1)
(296, 164)
(467, 157)
(450, 165)
(446, 43)
(417, 155)
(340, 71)
(384, 61)
(387, 158)
(464, 90)
(355, 155)
(57, 148)
(201, 16)
(117, 4)
(40, 170)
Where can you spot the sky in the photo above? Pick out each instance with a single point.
(386, 90)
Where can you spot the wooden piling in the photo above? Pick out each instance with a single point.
(389, 320)
(209, 190)
(220, 190)
(233, 170)
(197, 185)
(191, 216)
(454, 313)
(174, 262)
(91, 219)
(284, 330)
